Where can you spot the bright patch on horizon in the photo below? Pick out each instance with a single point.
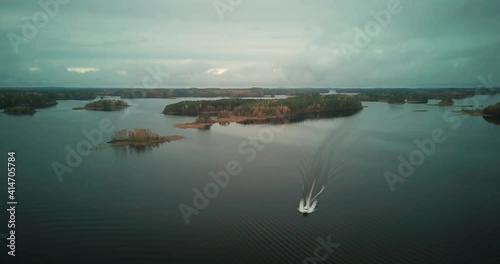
(217, 71)
(81, 70)
(34, 69)
(123, 73)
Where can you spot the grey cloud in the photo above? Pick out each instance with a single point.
(278, 43)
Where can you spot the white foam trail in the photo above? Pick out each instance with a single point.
(323, 168)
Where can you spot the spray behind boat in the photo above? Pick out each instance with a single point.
(324, 165)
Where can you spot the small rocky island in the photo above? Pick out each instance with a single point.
(140, 138)
(275, 111)
(104, 105)
(20, 110)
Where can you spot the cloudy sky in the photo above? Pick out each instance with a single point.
(249, 43)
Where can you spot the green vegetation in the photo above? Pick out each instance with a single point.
(268, 107)
(105, 105)
(446, 102)
(20, 110)
(395, 99)
(32, 99)
(205, 106)
(299, 105)
(418, 98)
(71, 95)
(53, 94)
(493, 110)
(216, 92)
(203, 118)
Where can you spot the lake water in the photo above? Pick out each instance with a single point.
(121, 205)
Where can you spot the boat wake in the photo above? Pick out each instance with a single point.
(322, 168)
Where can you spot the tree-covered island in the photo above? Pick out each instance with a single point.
(104, 105)
(244, 110)
(140, 137)
(446, 102)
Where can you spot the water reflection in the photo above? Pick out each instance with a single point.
(136, 148)
(300, 118)
(492, 119)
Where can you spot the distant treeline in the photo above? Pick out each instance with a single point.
(42, 97)
(268, 107)
(32, 99)
(422, 95)
(216, 92)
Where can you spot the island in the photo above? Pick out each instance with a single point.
(20, 110)
(140, 137)
(263, 110)
(104, 105)
(446, 102)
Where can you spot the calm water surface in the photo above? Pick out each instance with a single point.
(120, 205)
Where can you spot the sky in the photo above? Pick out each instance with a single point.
(248, 43)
